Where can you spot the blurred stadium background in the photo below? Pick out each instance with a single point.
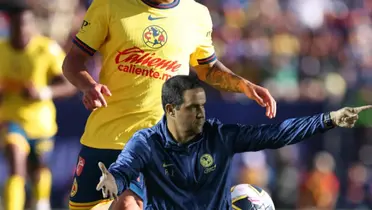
(313, 55)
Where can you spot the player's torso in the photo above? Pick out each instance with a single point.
(20, 69)
(27, 66)
(144, 48)
(194, 176)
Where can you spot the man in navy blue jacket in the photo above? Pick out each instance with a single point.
(185, 159)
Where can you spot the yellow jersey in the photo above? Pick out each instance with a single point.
(142, 45)
(37, 64)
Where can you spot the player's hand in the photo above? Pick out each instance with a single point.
(107, 183)
(347, 117)
(93, 97)
(262, 96)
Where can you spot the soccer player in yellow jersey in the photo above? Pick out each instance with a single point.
(142, 43)
(29, 64)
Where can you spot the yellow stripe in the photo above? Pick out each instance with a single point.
(88, 203)
(262, 193)
(239, 198)
(80, 208)
(235, 207)
(103, 205)
(232, 189)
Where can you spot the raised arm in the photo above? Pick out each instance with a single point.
(243, 138)
(213, 72)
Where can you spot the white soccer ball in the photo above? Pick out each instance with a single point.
(249, 197)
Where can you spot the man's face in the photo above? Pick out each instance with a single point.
(190, 116)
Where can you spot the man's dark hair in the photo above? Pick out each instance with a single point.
(174, 88)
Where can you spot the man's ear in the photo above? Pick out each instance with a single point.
(170, 110)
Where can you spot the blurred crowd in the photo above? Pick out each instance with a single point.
(313, 51)
(304, 51)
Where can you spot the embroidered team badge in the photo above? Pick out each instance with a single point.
(74, 188)
(155, 37)
(207, 162)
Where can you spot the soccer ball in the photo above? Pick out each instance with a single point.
(249, 197)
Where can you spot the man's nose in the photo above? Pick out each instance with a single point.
(200, 115)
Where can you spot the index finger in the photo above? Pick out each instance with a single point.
(102, 167)
(362, 108)
(273, 107)
(102, 99)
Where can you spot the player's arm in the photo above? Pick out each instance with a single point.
(274, 136)
(242, 138)
(91, 36)
(133, 158)
(210, 70)
(75, 71)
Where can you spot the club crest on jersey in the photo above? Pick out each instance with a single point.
(80, 166)
(74, 188)
(207, 162)
(154, 37)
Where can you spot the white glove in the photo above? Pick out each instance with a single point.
(107, 183)
(347, 117)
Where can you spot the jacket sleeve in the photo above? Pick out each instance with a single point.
(244, 138)
(132, 159)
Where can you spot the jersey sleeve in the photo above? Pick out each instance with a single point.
(245, 138)
(94, 28)
(131, 161)
(57, 56)
(204, 53)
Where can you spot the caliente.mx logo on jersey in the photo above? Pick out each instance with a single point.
(155, 37)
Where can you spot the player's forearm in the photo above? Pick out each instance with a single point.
(222, 78)
(75, 72)
(289, 132)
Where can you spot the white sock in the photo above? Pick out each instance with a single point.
(43, 204)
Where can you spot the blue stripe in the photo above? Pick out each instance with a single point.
(90, 51)
(207, 60)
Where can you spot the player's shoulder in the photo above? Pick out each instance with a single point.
(199, 8)
(47, 44)
(152, 134)
(112, 4)
(43, 41)
(212, 124)
(215, 125)
(199, 12)
(147, 134)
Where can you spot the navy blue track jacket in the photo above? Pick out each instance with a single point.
(196, 175)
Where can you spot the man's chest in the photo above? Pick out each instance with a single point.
(164, 35)
(27, 65)
(190, 170)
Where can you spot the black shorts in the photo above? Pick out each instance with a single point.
(87, 175)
